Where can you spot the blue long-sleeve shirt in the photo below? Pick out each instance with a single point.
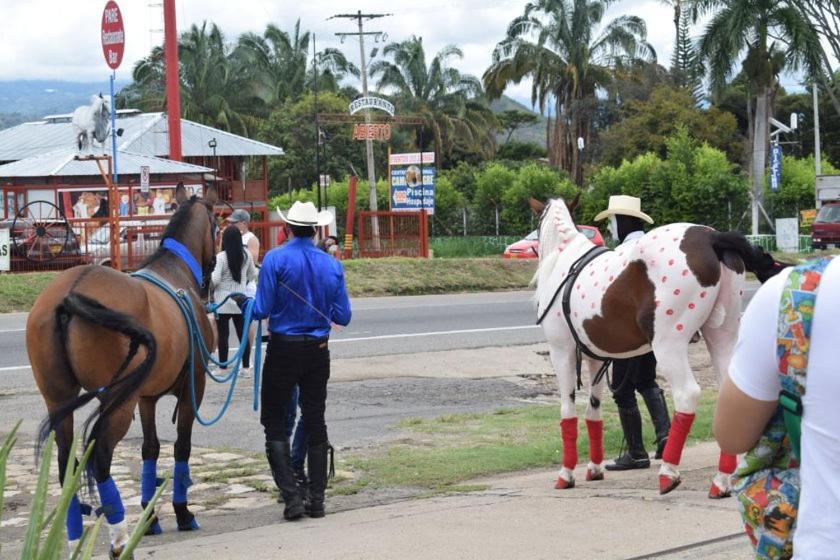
(315, 276)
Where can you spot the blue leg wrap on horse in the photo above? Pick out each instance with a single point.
(112, 506)
(75, 527)
(180, 482)
(148, 480)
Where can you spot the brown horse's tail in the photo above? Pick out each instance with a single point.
(758, 261)
(122, 387)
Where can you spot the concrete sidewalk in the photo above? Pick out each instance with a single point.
(518, 516)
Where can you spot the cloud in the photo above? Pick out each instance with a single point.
(56, 39)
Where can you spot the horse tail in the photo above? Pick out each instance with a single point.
(122, 387)
(730, 246)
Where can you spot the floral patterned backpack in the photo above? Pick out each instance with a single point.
(767, 479)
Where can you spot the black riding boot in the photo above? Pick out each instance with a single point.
(636, 456)
(658, 408)
(280, 462)
(317, 463)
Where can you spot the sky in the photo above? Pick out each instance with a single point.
(57, 39)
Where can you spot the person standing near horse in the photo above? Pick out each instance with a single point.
(234, 270)
(301, 291)
(638, 373)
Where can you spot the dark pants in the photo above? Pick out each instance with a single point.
(307, 365)
(299, 440)
(222, 325)
(640, 374)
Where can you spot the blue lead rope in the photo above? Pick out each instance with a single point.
(195, 339)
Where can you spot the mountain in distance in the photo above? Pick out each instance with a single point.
(534, 133)
(28, 100)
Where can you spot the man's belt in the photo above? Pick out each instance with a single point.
(298, 338)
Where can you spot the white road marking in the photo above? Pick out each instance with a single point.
(4, 331)
(14, 368)
(433, 333)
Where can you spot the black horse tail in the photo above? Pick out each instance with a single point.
(730, 244)
(121, 388)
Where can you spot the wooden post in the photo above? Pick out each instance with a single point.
(351, 210)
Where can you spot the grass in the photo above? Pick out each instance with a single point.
(19, 291)
(447, 451)
(403, 276)
(474, 246)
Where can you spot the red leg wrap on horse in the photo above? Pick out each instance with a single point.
(680, 426)
(596, 440)
(568, 429)
(727, 463)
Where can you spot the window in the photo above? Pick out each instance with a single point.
(829, 214)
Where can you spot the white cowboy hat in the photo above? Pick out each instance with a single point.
(305, 214)
(625, 206)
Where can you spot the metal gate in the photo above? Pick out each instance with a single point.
(401, 234)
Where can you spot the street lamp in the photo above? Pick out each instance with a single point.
(212, 145)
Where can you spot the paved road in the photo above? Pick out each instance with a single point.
(389, 325)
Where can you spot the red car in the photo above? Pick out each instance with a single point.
(825, 231)
(529, 248)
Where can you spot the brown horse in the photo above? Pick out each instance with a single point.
(123, 341)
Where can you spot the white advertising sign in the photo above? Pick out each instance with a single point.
(787, 234)
(371, 103)
(409, 159)
(5, 250)
(144, 178)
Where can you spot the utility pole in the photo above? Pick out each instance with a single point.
(317, 125)
(817, 162)
(360, 18)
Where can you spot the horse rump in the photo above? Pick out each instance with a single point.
(122, 387)
(731, 245)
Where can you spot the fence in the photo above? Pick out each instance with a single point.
(401, 234)
(768, 242)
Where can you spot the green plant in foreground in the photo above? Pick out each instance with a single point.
(45, 533)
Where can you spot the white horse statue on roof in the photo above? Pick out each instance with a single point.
(91, 122)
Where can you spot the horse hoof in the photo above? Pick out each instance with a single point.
(115, 554)
(717, 493)
(563, 484)
(191, 526)
(592, 475)
(668, 483)
(154, 529)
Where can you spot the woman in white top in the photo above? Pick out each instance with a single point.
(234, 271)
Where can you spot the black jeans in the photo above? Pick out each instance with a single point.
(222, 324)
(307, 365)
(640, 374)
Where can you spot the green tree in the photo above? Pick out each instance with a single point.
(277, 64)
(646, 126)
(796, 189)
(533, 180)
(686, 69)
(451, 103)
(491, 184)
(511, 120)
(554, 43)
(292, 127)
(520, 151)
(449, 205)
(767, 37)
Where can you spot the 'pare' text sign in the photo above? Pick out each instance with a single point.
(5, 250)
(113, 35)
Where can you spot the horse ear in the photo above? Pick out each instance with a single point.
(180, 193)
(573, 204)
(211, 195)
(536, 206)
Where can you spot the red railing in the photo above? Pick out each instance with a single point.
(401, 234)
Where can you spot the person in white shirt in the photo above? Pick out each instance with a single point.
(750, 394)
(233, 271)
(627, 223)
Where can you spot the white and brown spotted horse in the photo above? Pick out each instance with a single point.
(677, 280)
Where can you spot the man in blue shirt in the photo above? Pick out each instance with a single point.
(301, 292)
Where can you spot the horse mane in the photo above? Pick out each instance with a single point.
(176, 224)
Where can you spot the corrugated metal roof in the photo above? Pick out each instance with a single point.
(63, 163)
(144, 133)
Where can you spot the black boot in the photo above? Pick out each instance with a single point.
(635, 457)
(658, 408)
(317, 463)
(280, 462)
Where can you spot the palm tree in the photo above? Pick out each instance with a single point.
(555, 44)
(767, 37)
(451, 103)
(212, 88)
(277, 64)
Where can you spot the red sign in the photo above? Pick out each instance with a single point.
(113, 35)
(371, 132)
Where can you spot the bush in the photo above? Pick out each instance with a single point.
(533, 180)
(520, 151)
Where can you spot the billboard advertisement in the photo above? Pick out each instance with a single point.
(412, 189)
